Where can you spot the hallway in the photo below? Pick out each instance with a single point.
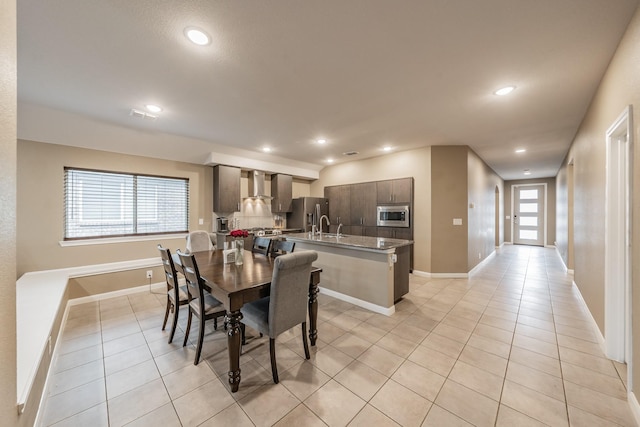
(511, 346)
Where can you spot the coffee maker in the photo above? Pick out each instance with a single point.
(223, 225)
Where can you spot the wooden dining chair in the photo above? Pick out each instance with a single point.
(281, 247)
(201, 303)
(261, 245)
(286, 305)
(176, 294)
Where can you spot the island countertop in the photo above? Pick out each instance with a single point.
(377, 244)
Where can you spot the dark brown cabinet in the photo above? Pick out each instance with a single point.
(394, 191)
(363, 204)
(226, 189)
(339, 206)
(395, 233)
(282, 193)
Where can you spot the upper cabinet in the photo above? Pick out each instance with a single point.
(395, 191)
(339, 201)
(282, 193)
(226, 189)
(363, 204)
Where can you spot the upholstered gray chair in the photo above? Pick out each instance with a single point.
(286, 306)
(176, 294)
(201, 303)
(198, 241)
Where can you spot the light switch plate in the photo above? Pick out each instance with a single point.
(200, 221)
(507, 217)
(457, 221)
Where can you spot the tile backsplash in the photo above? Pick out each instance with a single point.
(254, 213)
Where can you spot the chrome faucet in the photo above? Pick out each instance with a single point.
(338, 232)
(328, 224)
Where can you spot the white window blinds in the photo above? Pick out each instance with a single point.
(108, 204)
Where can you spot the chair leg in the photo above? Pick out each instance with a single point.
(215, 323)
(200, 340)
(186, 333)
(176, 310)
(274, 366)
(166, 313)
(304, 340)
(243, 332)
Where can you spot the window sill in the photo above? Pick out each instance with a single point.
(109, 240)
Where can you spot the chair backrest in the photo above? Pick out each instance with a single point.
(289, 291)
(170, 273)
(191, 273)
(198, 241)
(261, 245)
(281, 247)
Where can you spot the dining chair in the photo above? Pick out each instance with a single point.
(198, 241)
(286, 305)
(176, 294)
(201, 303)
(281, 247)
(261, 245)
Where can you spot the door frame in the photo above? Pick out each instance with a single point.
(618, 206)
(513, 191)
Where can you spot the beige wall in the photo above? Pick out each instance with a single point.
(412, 163)
(40, 204)
(485, 193)
(8, 123)
(550, 206)
(449, 192)
(564, 214)
(620, 87)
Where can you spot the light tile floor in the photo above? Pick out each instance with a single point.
(512, 346)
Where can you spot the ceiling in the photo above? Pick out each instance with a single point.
(361, 74)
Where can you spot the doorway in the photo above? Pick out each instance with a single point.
(617, 265)
(529, 214)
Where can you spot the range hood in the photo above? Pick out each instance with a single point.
(256, 185)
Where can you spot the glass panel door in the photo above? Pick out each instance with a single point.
(528, 215)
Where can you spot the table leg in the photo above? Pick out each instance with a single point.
(313, 307)
(233, 344)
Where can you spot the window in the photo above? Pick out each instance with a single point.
(108, 204)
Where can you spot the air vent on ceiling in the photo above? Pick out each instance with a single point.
(350, 153)
(141, 114)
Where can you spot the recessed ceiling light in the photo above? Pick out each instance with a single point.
(527, 172)
(386, 148)
(197, 36)
(505, 90)
(321, 141)
(266, 149)
(521, 150)
(329, 160)
(153, 108)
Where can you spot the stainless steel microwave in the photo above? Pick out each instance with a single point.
(393, 216)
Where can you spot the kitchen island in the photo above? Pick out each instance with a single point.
(371, 272)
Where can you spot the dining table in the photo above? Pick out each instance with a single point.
(234, 285)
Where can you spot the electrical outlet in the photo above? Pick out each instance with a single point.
(149, 274)
(479, 255)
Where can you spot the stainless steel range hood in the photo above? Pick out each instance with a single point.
(257, 186)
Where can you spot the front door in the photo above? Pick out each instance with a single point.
(528, 215)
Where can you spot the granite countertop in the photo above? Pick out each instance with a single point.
(364, 242)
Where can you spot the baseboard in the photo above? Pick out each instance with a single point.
(594, 325)
(113, 294)
(450, 275)
(482, 263)
(550, 246)
(634, 406)
(387, 311)
(508, 243)
(421, 273)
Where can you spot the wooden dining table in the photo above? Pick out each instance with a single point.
(234, 285)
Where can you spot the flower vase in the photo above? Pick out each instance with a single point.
(239, 251)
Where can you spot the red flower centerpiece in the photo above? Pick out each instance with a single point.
(239, 236)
